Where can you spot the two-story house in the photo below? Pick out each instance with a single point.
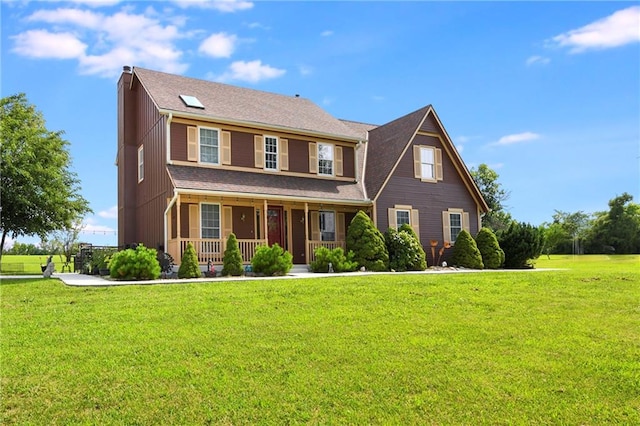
(198, 160)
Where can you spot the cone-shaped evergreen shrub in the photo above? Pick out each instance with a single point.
(465, 252)
(405, 251)
(367, 243)
(521, 243)
(492, 254)
(189, 267)
(232, 261)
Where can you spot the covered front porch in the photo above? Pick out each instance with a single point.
(299, 226)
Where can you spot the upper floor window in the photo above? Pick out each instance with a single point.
(327, 226)
(209, 146)
(141, 163)
(427, 163)
(210, 220)
(325, 159)
(270, 153)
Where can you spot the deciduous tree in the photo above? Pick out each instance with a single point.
(497, 219)
(40, 193)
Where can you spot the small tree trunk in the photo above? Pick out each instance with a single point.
(4, 235)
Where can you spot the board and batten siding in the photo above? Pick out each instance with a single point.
(152, 192)
(430, 198)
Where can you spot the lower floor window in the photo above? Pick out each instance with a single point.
(456, 225)
(210, 224)
(402, 217)
(328, 226)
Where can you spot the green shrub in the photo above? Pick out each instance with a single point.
(140, 263)
(339, 261)
(232, 261)
(492, 254)
(465, 252)
(189, 267)
(405, 251)
(272, 260)
(521, 243)
(367, 243)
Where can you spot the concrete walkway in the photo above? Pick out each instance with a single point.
(82, 280)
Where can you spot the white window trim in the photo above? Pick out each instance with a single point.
(333, 159)
(431, 178)
(277, 153)
(219, 132)
(408, 212)
(219, 220)
(140, 163)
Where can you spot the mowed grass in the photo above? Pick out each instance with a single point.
(524, 347)
(29, 264)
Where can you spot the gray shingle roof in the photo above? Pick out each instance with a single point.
(220, 180)
(386, 144)
(240, 104)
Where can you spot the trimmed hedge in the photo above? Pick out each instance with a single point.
(189, 267)
(272, 260)
(140, 263)
(232, 260)
(405, 251)
(339, 261)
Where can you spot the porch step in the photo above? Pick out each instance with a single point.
(299, 269)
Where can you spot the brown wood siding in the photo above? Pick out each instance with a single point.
(126, 157)
(297, 236)
(298, 156)
(244, 229)
(154, 191)
(184, 221)
(348, 160)
(430, 125)
(430, 198)
(242, 149)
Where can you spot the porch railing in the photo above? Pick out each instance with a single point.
(212, 250)
(313, 245)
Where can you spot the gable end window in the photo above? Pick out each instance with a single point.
(427, 163)
(141, 163)
(209, 145)
(453, 222)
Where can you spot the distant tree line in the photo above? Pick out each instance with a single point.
(616, 231)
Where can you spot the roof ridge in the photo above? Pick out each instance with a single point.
(234, 86)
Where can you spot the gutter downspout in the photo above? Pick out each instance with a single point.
(169, 138)
(166, 213)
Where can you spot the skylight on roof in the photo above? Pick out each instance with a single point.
(191, 101)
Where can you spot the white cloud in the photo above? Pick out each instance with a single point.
(540, 60)
(226, 6)
(254, 25)
(110, 213)
(95, 3)
(252, 72)
(517, 138)
(90, 226)
(326, 33)
(116, 40)
(617, 29)
(220, 45)
(44, 44)
(81, 18)
(377, 98)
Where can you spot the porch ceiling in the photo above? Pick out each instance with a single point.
(231, 181)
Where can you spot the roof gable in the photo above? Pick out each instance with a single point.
(389, 142)
(242, 105)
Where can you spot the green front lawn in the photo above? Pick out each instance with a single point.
(554, 347)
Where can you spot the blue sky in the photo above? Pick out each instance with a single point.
(545, 93)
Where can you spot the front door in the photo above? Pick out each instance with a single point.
(275, 225)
